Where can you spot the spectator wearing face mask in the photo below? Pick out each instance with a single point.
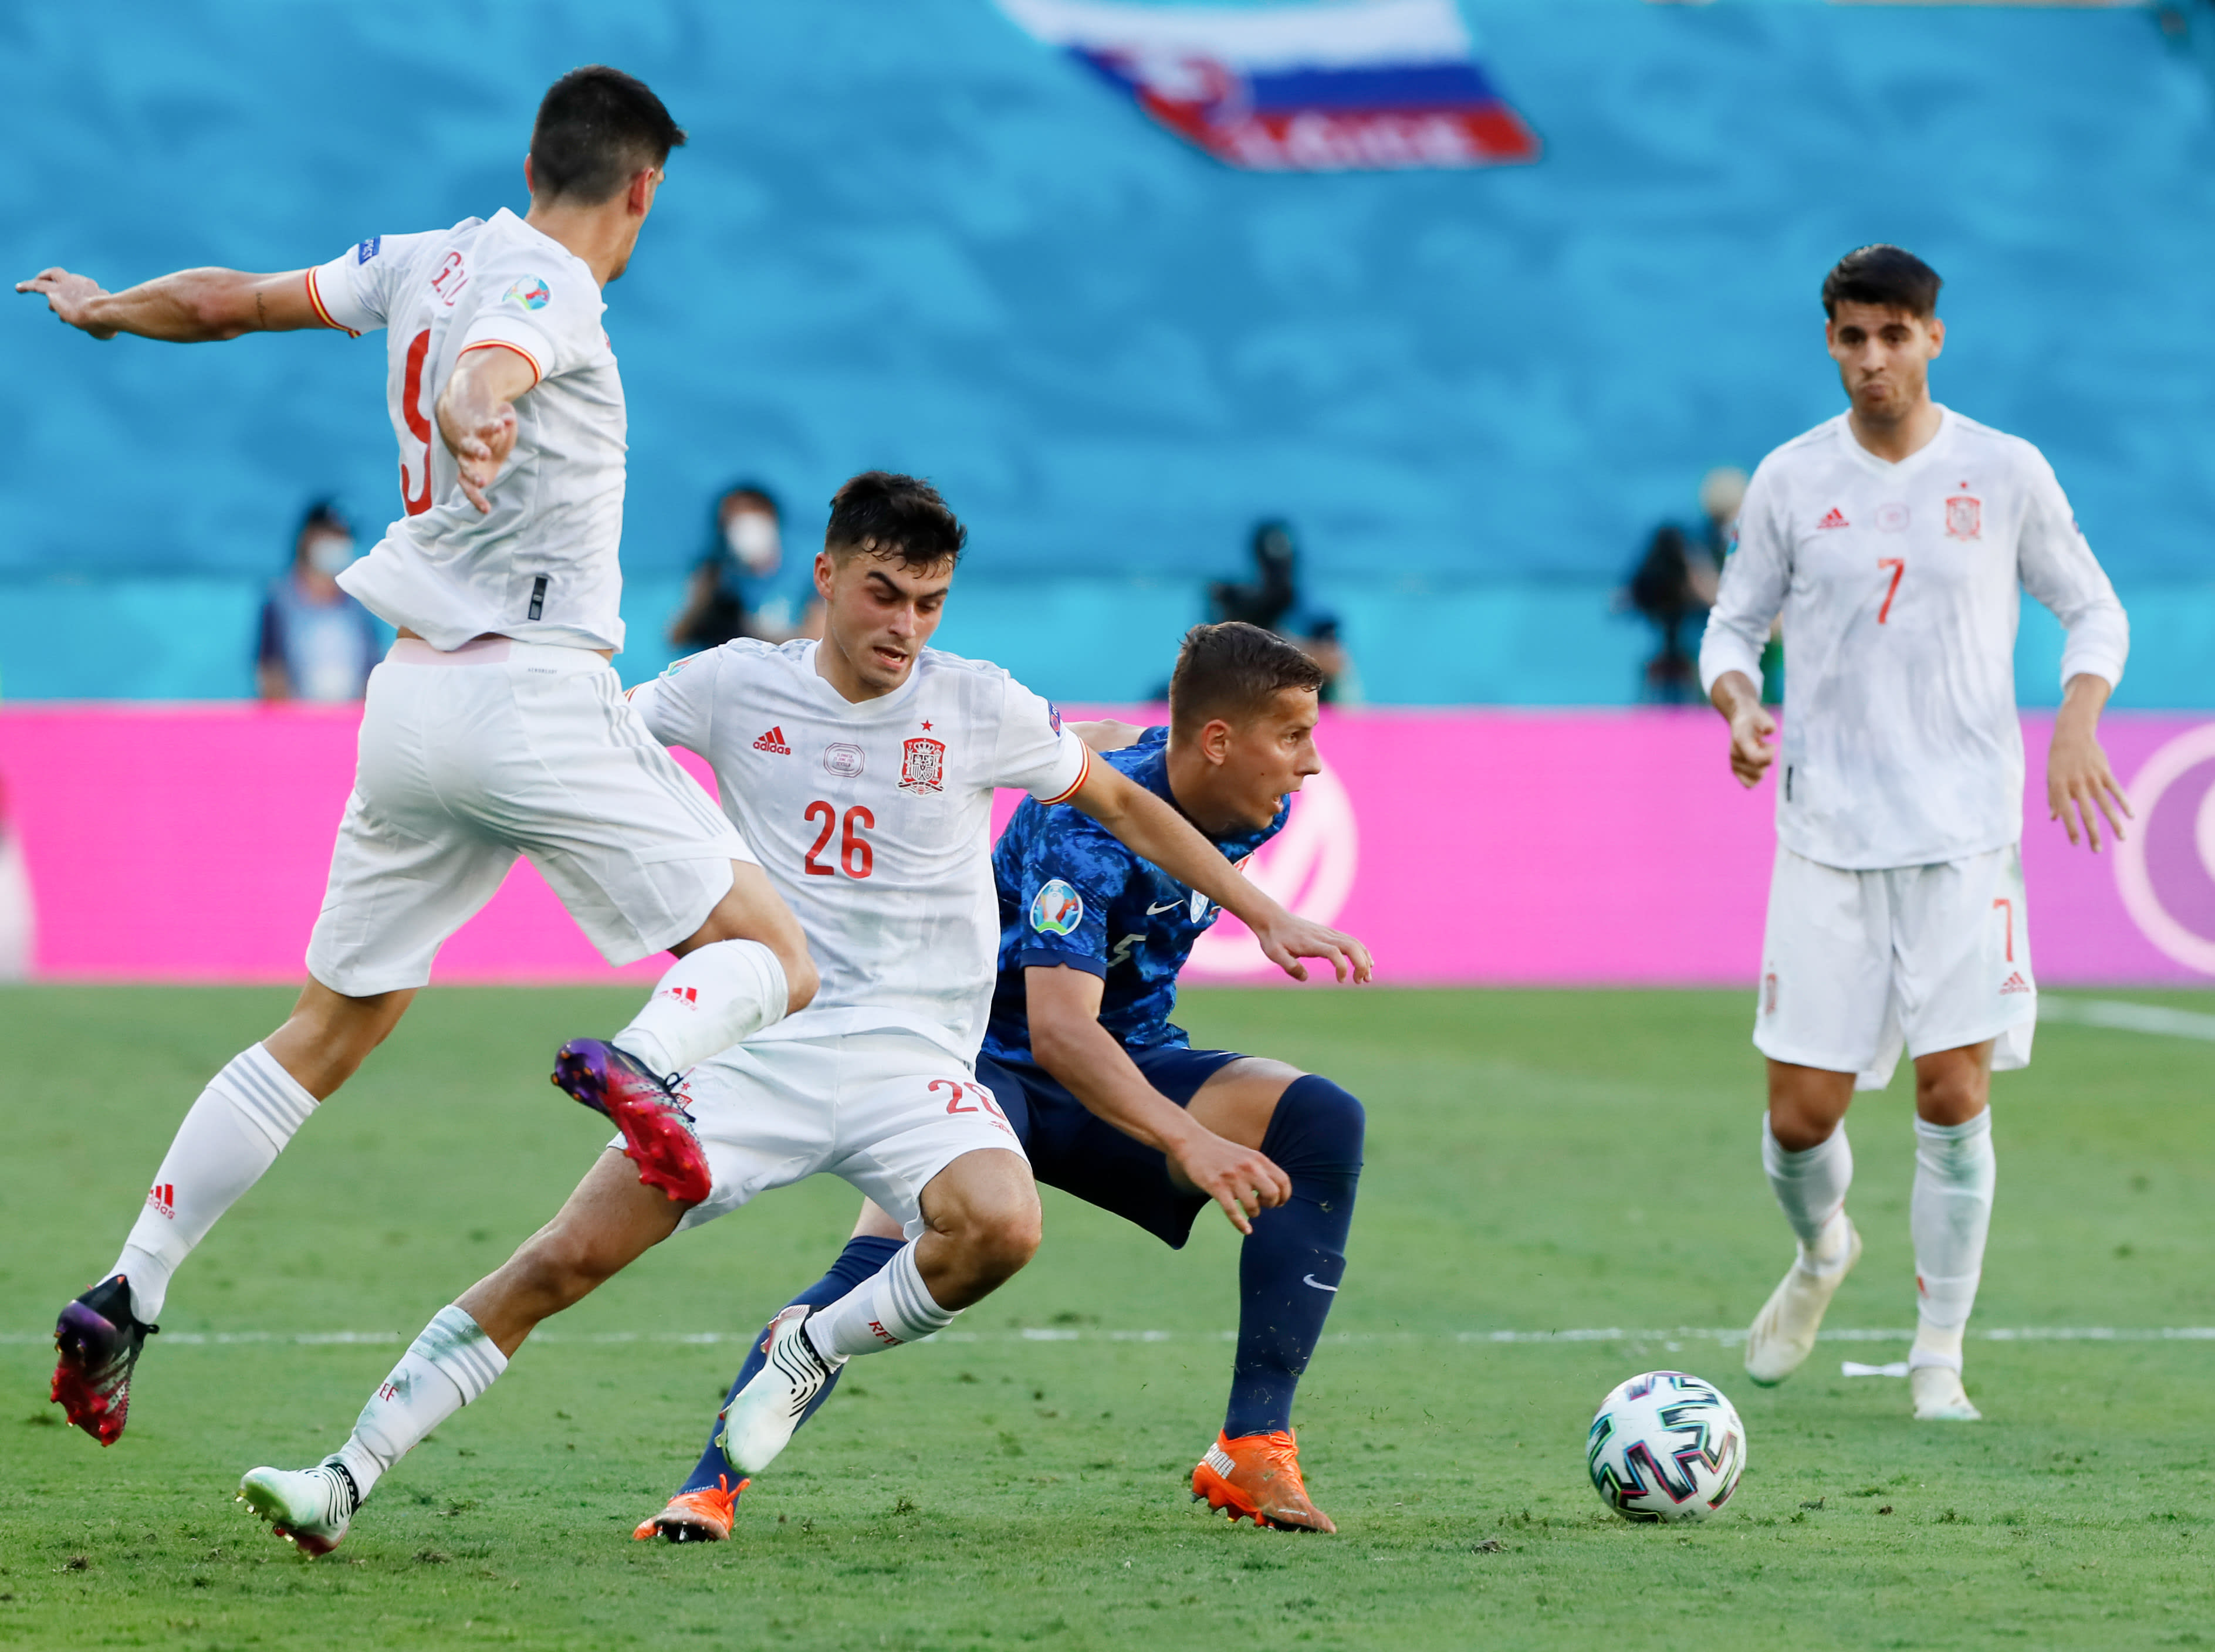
(317, 642)
(744, 585)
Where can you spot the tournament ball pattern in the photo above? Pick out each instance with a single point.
(1666, 1447)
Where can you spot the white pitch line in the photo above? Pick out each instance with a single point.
(1725, 1335)
(2117, 1016)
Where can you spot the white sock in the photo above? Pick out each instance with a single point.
(451, 1363)
(233, 1133)
(891, 1306)
(1949, 1214)
(1811, 1189)
(714, 996)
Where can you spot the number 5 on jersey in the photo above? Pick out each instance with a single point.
(855, 854)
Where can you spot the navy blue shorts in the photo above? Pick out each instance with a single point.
(1074, 1149)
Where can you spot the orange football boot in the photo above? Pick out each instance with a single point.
(702, 1516)
(1257, 1477)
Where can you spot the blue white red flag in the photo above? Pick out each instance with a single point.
(1358, 85)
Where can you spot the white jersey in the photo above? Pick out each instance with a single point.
(874, 820)
(1898, 585)
(541, 566)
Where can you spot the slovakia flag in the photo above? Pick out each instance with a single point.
(1366, 86)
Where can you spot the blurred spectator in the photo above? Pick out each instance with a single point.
(317, 642)
(744, 585)
(1272, 600)
(18, 926)
(1674, 585)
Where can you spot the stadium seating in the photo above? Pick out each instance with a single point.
(907, 234)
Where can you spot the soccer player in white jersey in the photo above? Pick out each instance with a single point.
(495, 727)
(1895, 539)
(862, 768)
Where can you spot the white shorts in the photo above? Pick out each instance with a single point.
(501, 749)
(885, 1111)
(1857, 965)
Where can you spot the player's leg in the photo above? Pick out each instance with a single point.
(1949, 1214)
(1290, 1269)
(931, 1147)
(1825, 1018)
(1972, 1008)
(607, 1223)
(701, 1509)
(404, 876)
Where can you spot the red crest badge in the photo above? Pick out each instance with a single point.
(1964, 518)
(923, 764)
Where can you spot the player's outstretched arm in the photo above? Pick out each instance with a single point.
(477, 413)
(1153, 828)
(1069, 1042)
(2078, 778)
(1752, 728)
(191, 307)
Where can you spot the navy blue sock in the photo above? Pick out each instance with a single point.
(861, 1258)
(1290, 1266)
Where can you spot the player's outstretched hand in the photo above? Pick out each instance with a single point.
(1243, 1181)
(1286, 939)
(70, 296)
(2080, 786)
(1752, 729)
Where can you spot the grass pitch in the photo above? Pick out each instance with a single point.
(1537, 1162)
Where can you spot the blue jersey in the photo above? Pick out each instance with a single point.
(1071, 893)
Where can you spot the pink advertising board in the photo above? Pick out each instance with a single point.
(189, 843)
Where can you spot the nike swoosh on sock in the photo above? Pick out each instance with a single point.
(1309, 1279)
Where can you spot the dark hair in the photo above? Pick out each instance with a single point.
(1233, 670)
(323, 514)
(596, 127)
(747, 490)
(890, 515)
(1884, 275)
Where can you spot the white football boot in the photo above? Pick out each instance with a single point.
(1783, 1334)
(760, 1421)
(309, 1508)
(1939, 1396)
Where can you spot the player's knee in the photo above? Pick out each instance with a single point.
(1002, 1241)
(1317, 1126)
(1951, 1095)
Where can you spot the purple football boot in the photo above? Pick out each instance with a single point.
(99, 1340)
(656, 1129)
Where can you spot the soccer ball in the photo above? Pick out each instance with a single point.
(1666, 1447)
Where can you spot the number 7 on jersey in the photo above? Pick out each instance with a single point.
(1899, 565)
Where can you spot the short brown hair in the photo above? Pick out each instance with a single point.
(889, 515)
(1889, 277)
(1234, 670)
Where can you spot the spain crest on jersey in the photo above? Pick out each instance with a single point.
(923, 764)
(1964, 518)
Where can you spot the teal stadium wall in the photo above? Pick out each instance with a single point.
(906, 235)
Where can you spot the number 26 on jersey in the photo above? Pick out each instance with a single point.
(855, 854)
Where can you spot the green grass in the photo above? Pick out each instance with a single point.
(1537, 1161)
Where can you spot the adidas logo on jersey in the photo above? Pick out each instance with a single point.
(2015, 983)
(1836, 518)
(773, 742)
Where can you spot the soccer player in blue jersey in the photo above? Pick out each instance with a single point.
(1110, 1100)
